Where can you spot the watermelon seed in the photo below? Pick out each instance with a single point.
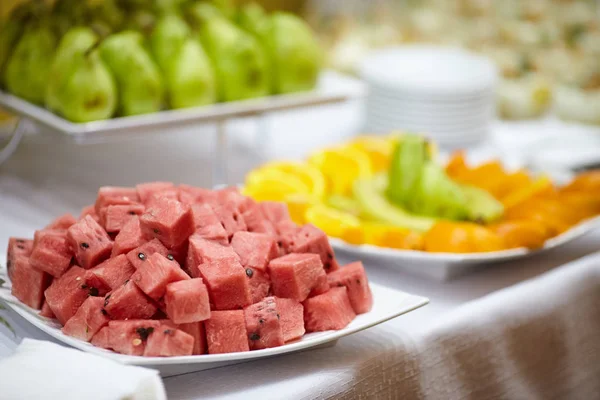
(170, 257)
(132, 213)
(156, 231)
(103, 311)
(358, 281)
(20, 246)
(167, 332)
(94, 292)
(330, 256)
(20, 241)
(279, 243)
(249, 272)
(144, 332)
(84, 286)
(84, 245)
(141, 256)
(340, 285)
(126, 282)
(261, 321)
(255, 336)
(278, 316)
(106, 300)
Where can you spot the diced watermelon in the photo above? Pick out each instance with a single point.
(275, 212)
(260, 284)
(330, 310)
(91, 243)
(292, 318)
(257, 222)
(179, 252)
(354, 278)
(101, 338)
(88, 319)
(91, 211)
(51, 252)
(255, 249)
(17, 247)
(146, 190)
(111, 195)
(311, 239)
(115, 217)
(294, 276)
(140, 254)
(196, 330)
(227, 284)
(203, 251)
(167, 342)
(231, 218)
(263, 325)
(63, 222)
(321, 286)
(208, 225)
(130, 337)
(155, 274)
(28, 283)
(193, 195)
(287, 231)
(128, 302)
(47, 311)
(168, 220)
(226, 332)
(129, 237)
(187, 301)
(113, 272)
(66, 294)
(233, 196)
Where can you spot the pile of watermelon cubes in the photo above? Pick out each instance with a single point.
(162, 270)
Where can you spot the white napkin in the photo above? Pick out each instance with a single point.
(40, 370)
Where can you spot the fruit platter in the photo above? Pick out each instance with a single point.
(389, 197)
(185, 278)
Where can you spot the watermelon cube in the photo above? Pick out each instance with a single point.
(114, 217)
(128, 238)
(187, 301)
(193, 195)
(311, 239)
(46, 311)
(146, 190)
(196, 330)
(165, 341)
(226, 332)
(320, 287)
(168, 220)
(28, 283)
(287, 231)
(17, 247)
(91, 243)
(208, 225)
(260, 284)
(113, 272)
(63, 222)
(254, 249)
(231, 218)
(88, 319)
(294, 276)
(275, 212)
(128, 302)
(263, 324)
(156, 273)
(111, 195)
(233, 196)
(91, 211)
(179, 252)
(66, 294)
(257, 222)
(354, 278)
(328, 311)
(139, 255)
(51, 252)
(101, 338)
(292, 318)
(201, 251)
(130, 337)
(227, 284)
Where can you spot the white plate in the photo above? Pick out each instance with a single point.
(387, 304)
(445, 266)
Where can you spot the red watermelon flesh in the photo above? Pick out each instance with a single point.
(255, 249)
(91, 243)
(63, 222)
(166, 341)
(321, 286)
(101, 338)
(196, 330)
(113, 272)
(202, 251)
(28, 283)
(155, 274)
(226, 332)
(193, 195)
(294, 276)
(67, 293)
(208, 225)
(179, 252)
(232, 195)
(227, 284)
(111, 195)
(47, 311)
(187, 301)
(263, 324)
(231, 218)
(139, 255)
(354, 278)
(311, 239)
(17, 247)
(168, 220)
(51, 252)
(88, 319)
(128, 302)
(291, 315)
(287, 231)
(329, 311)
(260, 284)
(91, 211)
(130, 337)
(146, 190)
(128, 238)
(257, 222)
(115, 217)
(275, 212)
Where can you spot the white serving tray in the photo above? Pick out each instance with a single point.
(446, 266)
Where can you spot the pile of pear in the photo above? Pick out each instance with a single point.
(89, 60)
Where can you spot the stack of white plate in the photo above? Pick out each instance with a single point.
(445, 93)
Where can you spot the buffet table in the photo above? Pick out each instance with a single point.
(531, 340)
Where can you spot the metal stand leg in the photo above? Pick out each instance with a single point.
(13, 143)
(220, 162)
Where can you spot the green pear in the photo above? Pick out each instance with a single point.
(138, 79)
(254, 19)
(141, 20)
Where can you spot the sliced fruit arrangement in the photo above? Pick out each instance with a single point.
(163, 270)
(390, 191)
